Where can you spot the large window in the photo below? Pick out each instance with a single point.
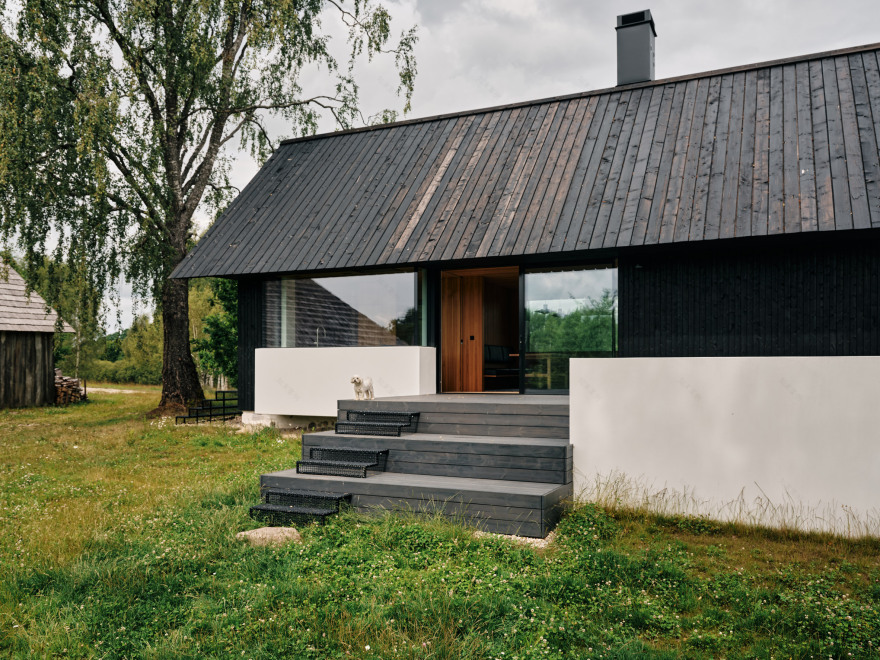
(569, 313)
(353, 310)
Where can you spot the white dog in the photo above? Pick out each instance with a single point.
(363, 387)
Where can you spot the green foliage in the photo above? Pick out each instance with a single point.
(116, 540)
(140, 356)
(77, 302)
(217, 350)
(110, 346)
(118, 120)
(587, 329)
(407, 327)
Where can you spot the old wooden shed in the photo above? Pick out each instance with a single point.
(27, 330)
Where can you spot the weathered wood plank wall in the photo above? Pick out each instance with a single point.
(250, 337)
(779, 148)
(813, 300)
(27, 369)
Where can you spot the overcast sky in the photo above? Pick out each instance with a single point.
(478, 53)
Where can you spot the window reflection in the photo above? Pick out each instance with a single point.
(355, 310)
(569, 313)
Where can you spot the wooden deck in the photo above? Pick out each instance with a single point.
(507, 507)
(520, 415)
(506, 465)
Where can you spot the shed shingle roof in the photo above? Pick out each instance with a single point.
(775, 148)
(20, 312)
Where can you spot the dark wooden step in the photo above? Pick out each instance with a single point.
(526, 426)
(466, 403)
(503, 415)
(480, 457)
(509, 507)
(463, 443)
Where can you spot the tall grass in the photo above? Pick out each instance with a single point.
(117, 541)
(620, 491)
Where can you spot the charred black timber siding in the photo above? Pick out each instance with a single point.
(786, 147)
(803, 300)
(28, 369)
(250, 337)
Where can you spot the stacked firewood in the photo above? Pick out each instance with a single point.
(67, 390)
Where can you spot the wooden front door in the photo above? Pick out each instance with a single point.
(461, 331)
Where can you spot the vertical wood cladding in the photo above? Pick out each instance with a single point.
(250, 337)
(816, 300)
(27, 369)
(787, 147)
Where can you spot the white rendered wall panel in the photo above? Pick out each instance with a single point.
(309, 381)
(801, 429)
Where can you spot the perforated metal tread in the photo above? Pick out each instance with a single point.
(307, 498)
(282, 506)
(282, 514)
(377, 422)
(371, 428)
(293, 508)
(377, 456)
(334, 468)
(380, 416)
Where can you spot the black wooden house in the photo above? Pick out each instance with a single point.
(733, 213)
(727, 213)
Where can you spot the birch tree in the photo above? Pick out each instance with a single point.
(119, 120)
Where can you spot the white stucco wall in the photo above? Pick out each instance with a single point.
(309, 381)
(793, 429)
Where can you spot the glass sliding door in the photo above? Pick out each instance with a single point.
(568, 313)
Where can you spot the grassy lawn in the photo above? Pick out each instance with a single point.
(116, 541)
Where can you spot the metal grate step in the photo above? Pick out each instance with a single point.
(377, 422)
(377, 456)
(382, 416)
(281, 507)
(223, 406)
(281, 515)
(370, 428)
(308, 498)
(335, 468)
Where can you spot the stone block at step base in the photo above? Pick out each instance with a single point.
(270, 536)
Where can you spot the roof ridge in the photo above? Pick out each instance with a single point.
(851, 50)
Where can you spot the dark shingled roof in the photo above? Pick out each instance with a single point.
(775, 148)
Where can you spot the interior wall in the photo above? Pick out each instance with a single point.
(501, 314)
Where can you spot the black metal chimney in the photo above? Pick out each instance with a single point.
(635, 47)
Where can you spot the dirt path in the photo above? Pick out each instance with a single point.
(110, 390)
